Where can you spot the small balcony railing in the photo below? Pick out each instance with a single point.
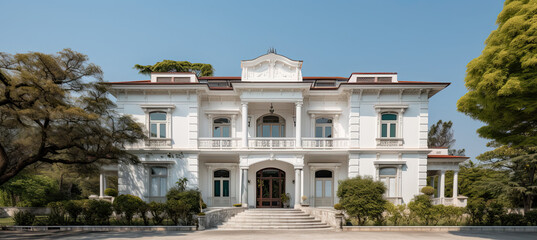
(324, 143)
(219, 143)
(390, 142)
(271, 142)
(152, 143)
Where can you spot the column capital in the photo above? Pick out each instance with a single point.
(299, 103)
(244, 103)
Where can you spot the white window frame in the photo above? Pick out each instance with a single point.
(323, 126)
(386, 180)
(397, 109)
(221, 179)
(389, 125)
(398, 165)
(221, 125)
(150, 108)
(151, 176)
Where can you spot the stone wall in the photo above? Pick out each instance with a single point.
(329, 216)
(213, 218)
(10, 211)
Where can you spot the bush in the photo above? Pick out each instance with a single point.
(453, 215)
(512, 219)
(362, 198)
(110, 192)
(476, 210)
(428, 190)
(143, 208)
(494, 209)
(158, 212)
(423, 210)
(23, 218)
(396, 213)
(178, 210)
(128, 205)
(531, 217)
(338, 206)
(57, 214)
(96, 212)
(237, 205)
(73, 209)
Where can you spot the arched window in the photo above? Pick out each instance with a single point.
(271, 126)
(221, 183)
(157, 125)
(388, 176)
(323, 128)
(221, 127)
(388, 127)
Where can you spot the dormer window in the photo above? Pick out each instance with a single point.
(157, 125)
(388, 127)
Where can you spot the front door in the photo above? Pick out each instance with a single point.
(270, 186)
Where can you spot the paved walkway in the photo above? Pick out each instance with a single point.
(259, 235)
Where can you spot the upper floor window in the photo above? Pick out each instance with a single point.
(221, 127)
(388, 176)
(158, 184)
(271, 126)
(323, 128)
(388, 127)
(157, 125)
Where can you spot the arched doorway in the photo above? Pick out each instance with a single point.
(270, 184)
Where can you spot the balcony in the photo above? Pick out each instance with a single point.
(325, 143)
(152, 143)
(219, 143)
(271, 143)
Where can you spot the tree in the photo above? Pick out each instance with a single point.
(201, 69)
(362, 198)
(502, 85)
(55, 109)
(441, 135)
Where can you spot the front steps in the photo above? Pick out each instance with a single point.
(273, 218)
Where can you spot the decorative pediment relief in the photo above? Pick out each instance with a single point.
(271, 67)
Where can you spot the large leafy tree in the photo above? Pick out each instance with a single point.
(502, 90)
(55, 109)
(201, 69)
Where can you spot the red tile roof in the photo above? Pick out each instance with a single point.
(445, 156)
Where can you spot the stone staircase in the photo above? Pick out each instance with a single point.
(273, 218)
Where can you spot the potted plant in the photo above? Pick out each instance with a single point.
(285, 199)
(304, 204)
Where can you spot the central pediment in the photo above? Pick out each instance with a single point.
(272, 67)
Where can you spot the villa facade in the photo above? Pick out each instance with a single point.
(271, 131)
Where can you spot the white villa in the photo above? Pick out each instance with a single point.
(250, 138)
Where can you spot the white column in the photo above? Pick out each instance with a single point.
(209, 195)
(297, 186)
(244, 188)
(298, 133)
(442, 184)
(101, 185)
(244, 124)
(455, 184)
(301, 184)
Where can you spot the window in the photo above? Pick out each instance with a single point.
(158, 184)
(271, 126)
(388, 125)
(221, 127)
(221, 183)
(323, 188)
(388, 176)
(157, 125)
(323, 128)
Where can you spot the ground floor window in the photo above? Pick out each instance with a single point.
(158, 184)
(388, 176)
(221, 183)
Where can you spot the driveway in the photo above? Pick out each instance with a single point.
(259, 235)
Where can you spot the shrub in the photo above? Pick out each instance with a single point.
(428, 190)
(158, 212)
(338, 206)
(23, 218)
(143, 208)
(422, 208)
(494, 209)
(395, 213)
(531, 217)
(361, 198)
(110, 192)
(96, 212)
(512, 219)
(237, 205)
(476, 210)
(73, 209)
(453, 215)
(57, 214)
(178, 210)
(128, 205)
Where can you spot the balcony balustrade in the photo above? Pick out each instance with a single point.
(389, 142)
(271, 142)
(152, 143)
(325, 143)
(219, 143)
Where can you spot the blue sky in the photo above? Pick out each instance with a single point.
(421, 40)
